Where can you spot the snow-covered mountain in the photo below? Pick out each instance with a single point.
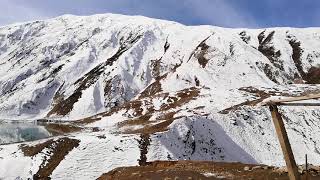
(155, 90)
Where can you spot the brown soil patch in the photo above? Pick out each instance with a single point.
(238, 106)
(65, 106)
(151, 129)
(88, 120)
(153, 88)
(313, 75)
(142, 120)
(134, 105)
(96, 117)
(57, 150)
(182, 97)
(34, 150)
(160, 127)
(165, 116)
(58, 129)
(261, 95)
(148, 128)
(199, 170)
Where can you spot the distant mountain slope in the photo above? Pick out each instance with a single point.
(74, 66)
(144, 89)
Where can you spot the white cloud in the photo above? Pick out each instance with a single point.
(12, 11)
(219, 12)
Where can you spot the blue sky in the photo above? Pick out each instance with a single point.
(226, 13)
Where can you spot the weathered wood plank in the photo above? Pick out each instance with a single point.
(297, 104)
(284, 143)
(290, 99)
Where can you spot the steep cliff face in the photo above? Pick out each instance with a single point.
(159, 89)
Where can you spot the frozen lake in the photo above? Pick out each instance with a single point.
(12, 132)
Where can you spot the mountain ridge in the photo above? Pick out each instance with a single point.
(134, 89)
(264, 50)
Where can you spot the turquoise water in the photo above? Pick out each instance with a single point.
(20, 132)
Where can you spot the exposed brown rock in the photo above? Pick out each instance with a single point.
(296, 55)
(313, 75)
(199, 170)
(268, 50)
(245, 38)
(200, 51)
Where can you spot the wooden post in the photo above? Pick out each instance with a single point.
(285, 144)
(306, 166)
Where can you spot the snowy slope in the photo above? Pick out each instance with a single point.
(157, 89)
(77, 66)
